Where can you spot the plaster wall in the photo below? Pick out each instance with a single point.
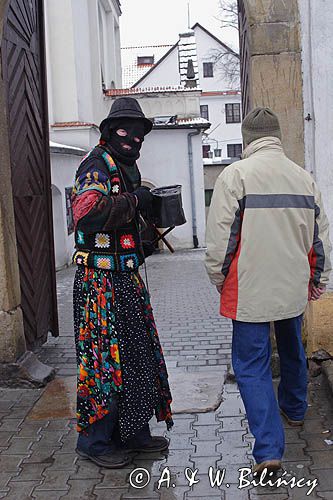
(60, 43)
(221, 133)
(164, 161)
(207, 47)
(317, 66)
(166, 73)
(63, 168)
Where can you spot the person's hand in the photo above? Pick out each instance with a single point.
(219, 288)
(315, 292)
(144, 197)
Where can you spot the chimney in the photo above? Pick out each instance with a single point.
(188, 59)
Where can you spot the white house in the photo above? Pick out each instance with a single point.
(220, 103)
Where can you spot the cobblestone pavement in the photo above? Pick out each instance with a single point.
(37, 457)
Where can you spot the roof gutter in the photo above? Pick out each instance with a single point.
(192, 186)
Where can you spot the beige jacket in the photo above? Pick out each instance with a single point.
(267, 235)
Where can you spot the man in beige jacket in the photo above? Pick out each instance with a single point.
(268, 253)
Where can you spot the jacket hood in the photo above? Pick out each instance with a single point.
(268, 143)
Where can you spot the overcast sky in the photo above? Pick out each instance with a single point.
(149, 22)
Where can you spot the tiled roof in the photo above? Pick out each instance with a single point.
(72, 124)
(223, 92)
(148, 90)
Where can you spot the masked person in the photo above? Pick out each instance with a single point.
(122, 377)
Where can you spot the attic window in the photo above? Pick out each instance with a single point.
(145, 60)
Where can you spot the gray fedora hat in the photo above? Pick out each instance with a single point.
(126, 107)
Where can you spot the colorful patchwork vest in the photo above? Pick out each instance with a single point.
(119, 249)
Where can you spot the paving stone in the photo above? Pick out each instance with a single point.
(206, 419)
(10, 424)
(59, 424)
(10, 463)
(117, 494)
(5, 477)
(19, 445)
(64, 461)
(51, 495)
(325, 480)
(6, 405)
(31, 472)
(295, 453)
(21, 490)
(54, 480)
(115, 478)
(232, 424)
(32, 429)
(81, 490)
(4, 438)
(205, 448)
(320, 459)
(86, 470)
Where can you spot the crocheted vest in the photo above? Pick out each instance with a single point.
(119, 249)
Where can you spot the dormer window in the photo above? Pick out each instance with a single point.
(143, 60)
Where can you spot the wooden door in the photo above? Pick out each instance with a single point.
(24, 71)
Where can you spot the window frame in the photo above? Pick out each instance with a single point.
(234, 146)
(204, 114)
(208, 73)
(234, 116)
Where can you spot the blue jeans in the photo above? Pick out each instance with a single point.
(251, 356)
(103, 437)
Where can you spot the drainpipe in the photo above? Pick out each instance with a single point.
(193, 204)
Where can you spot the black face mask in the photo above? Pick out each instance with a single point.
(125, 138)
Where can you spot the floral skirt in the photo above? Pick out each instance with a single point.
(118, 352)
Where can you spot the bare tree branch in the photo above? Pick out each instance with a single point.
(227, 62)
(228, 14)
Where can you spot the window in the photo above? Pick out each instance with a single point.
(145, 60)
(206, 151)
(208, 197)
(69, 211)
(232, 113)
(218, 152)
(234, 150)
(204, 111)
(208, 70)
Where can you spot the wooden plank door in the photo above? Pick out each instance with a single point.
(24, 70)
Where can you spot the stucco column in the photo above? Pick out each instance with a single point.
(271, 59)
(12, 342)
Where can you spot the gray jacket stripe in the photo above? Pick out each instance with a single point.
(233, 240)
(319, 250)
(279, 201)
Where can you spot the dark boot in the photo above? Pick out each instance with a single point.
(115, 460)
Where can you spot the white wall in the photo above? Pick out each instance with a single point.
(73, 47)
(63, 168)
(206, 46)
(164, 161)
(317, 50)
(221, 131)
(166, 73)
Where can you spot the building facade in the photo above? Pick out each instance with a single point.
(220, 101)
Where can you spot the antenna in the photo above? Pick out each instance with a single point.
(189, 15)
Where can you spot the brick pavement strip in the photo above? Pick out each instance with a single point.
(38, 460)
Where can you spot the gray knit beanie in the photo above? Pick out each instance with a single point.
(260, 122)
